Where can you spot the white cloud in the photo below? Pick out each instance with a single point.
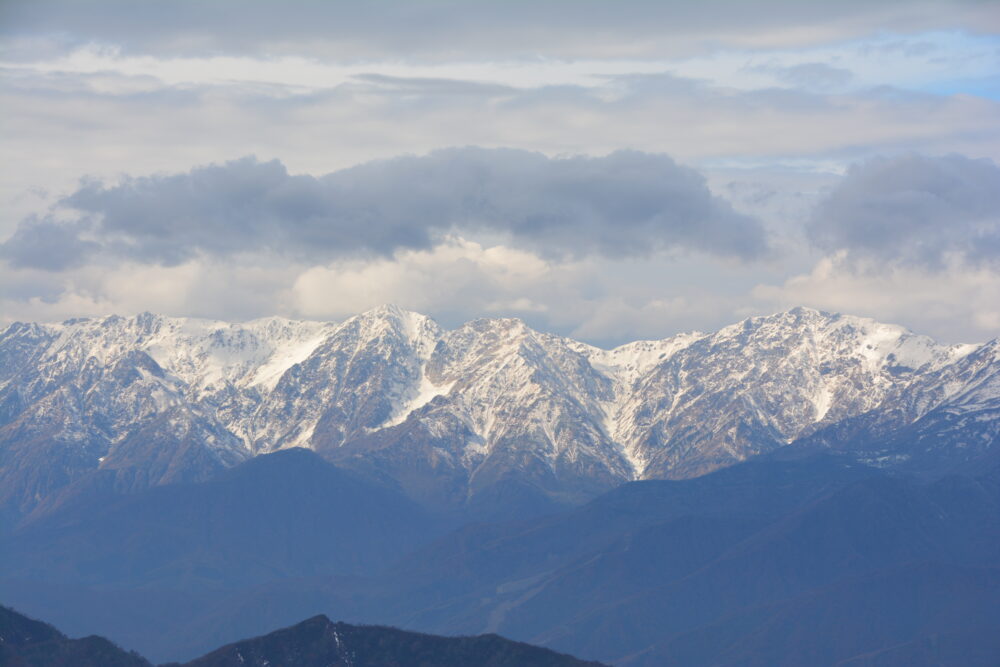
(959, 304)
(456, 276)
(914, 62)
(599, 301)
(602, 301)
(238, 290)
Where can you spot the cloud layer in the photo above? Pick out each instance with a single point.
(771, 101)
(623, 205)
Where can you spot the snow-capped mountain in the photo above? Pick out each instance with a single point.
(765, 382)
(949, 416)
(489, 412)
(499, 411)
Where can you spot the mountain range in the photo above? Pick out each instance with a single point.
(489, 417)
(802, 488)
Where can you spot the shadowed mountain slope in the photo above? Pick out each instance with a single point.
(25, 642)
(712, 570)
(286, 514)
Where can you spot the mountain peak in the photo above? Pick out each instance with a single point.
(388, 311)
(796, 316)
(340, 643)
(419, 331)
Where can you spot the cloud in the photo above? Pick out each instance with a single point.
(914, 209)
(602, 301)
(626, 204)
(912, 239)
(605, 248)
(453, 280)
(959, 304)
(143, 115)
(48, 244)
(196, 289)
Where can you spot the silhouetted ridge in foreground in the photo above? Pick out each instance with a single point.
(25, 642)
(319, 641)
(314, 642)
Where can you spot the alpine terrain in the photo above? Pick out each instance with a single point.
(489, 417)
(801, 488)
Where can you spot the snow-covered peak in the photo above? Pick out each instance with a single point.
(203, 353)
(478, 342)
(420, 331)
(972, 383)
(833, 336)
(388, 313)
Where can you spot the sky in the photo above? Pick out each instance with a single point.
(604, 170)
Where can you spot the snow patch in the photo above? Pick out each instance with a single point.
(269, 373)
(631, 361)
(424, 393)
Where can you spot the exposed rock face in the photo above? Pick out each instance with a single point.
(765, 382)
(945, 419)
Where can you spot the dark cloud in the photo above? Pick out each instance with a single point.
(914, 209)
(44, 243)
(623, 205)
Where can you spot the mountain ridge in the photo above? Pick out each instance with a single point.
(314, 641)
(467, 417)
